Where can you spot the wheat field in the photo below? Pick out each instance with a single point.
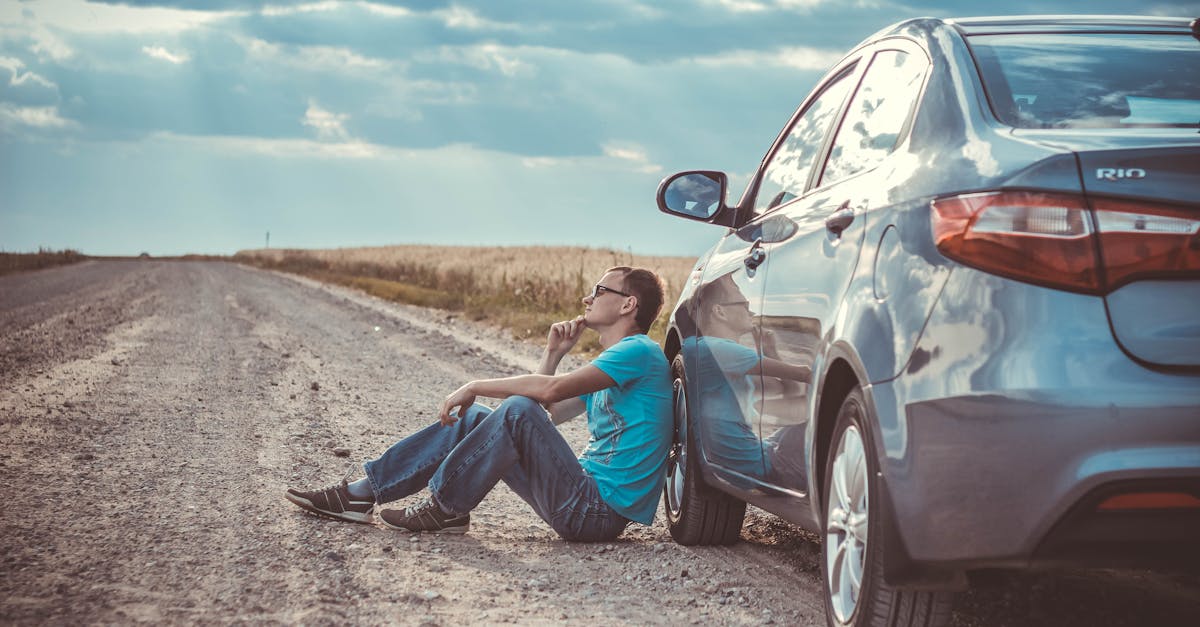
(524, 288)
(498, 264)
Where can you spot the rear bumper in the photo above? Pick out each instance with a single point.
(1011, 425)
(1097, 531)
(993, 482)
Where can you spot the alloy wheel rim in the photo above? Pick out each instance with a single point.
(677, 461)
(846, 525)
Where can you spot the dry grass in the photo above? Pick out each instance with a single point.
(524, 289)
(43, 258)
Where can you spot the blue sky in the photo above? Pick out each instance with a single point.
(179, 126)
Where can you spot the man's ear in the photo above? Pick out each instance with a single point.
(630, 304)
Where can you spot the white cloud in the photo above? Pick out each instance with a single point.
(271, 10)
(20, 78)
(459, 17)
(329, 126)
(634, 154)
(89, 17)
(158, 52)
(808, 4)
(542, 162)
(47, 44)
(489, 57)
(34, 117)
(758, 6)
(798, 57)
(617, 156)
(743, 6)
(316, 58)
(288, 148)
(385, 9)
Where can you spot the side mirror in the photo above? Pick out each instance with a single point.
(696, 195)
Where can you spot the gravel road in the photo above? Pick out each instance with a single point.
(151, 414)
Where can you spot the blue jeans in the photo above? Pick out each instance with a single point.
(516, 443)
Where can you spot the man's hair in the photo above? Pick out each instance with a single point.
(648, 289)
(721, 289)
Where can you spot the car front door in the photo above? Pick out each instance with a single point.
(808, 273)
(729, 302)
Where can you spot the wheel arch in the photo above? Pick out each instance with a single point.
(671, 344)
(843, 374)
(836, 383)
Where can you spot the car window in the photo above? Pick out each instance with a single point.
(1091, 80)
(877, 113)
(786, 174)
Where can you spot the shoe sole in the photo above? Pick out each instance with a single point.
(308, 506)
(458, 529)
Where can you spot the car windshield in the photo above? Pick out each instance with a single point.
(1055, 80)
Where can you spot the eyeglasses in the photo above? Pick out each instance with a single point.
(598, 289)
(736, 302)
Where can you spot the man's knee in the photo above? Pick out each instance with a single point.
(522, 406)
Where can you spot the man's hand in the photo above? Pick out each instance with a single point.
(462, 398)
(563, 336)
(766, 342)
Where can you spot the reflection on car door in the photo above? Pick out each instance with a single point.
(808, 273)
(724, 355)
(721, 357)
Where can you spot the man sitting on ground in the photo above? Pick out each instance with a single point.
(625, 391)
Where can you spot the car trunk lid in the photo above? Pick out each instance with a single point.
(1145, 201)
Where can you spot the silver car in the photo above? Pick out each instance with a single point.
(954, 321)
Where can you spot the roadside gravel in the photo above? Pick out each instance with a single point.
(152, 413)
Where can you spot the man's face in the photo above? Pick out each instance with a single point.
(602, 306)
(737, 313)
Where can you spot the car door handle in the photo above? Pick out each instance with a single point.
(839, 220)
(756, 257)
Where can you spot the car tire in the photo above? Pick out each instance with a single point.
(696, 512)
(852, 548)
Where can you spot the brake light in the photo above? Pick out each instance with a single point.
(1049, 238)
(1150, 500)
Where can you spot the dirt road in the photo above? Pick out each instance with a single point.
(151, 414)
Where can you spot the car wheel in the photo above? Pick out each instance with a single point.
(852, 564)
(696, 513)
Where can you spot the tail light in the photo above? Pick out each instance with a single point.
(1136, 240)
(1055, 240)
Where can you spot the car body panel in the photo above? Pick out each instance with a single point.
(1002, 397)
(1167, 334)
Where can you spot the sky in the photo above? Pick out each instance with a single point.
(200, 126)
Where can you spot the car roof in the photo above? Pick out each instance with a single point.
(1069, 23)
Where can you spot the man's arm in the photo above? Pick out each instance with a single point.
(565, 410)
(783, 370)
(558, 393)
(559, 341)
(545, 389)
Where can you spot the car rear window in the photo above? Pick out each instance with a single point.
(1076, 80)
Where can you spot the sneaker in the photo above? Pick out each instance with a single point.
(334, 502)
(425, 516)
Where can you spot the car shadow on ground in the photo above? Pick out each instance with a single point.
(1059, 598)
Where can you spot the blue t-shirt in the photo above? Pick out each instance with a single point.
(630, 426)
(727, 411)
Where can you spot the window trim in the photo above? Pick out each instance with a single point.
(847, 69)
(906, 46)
